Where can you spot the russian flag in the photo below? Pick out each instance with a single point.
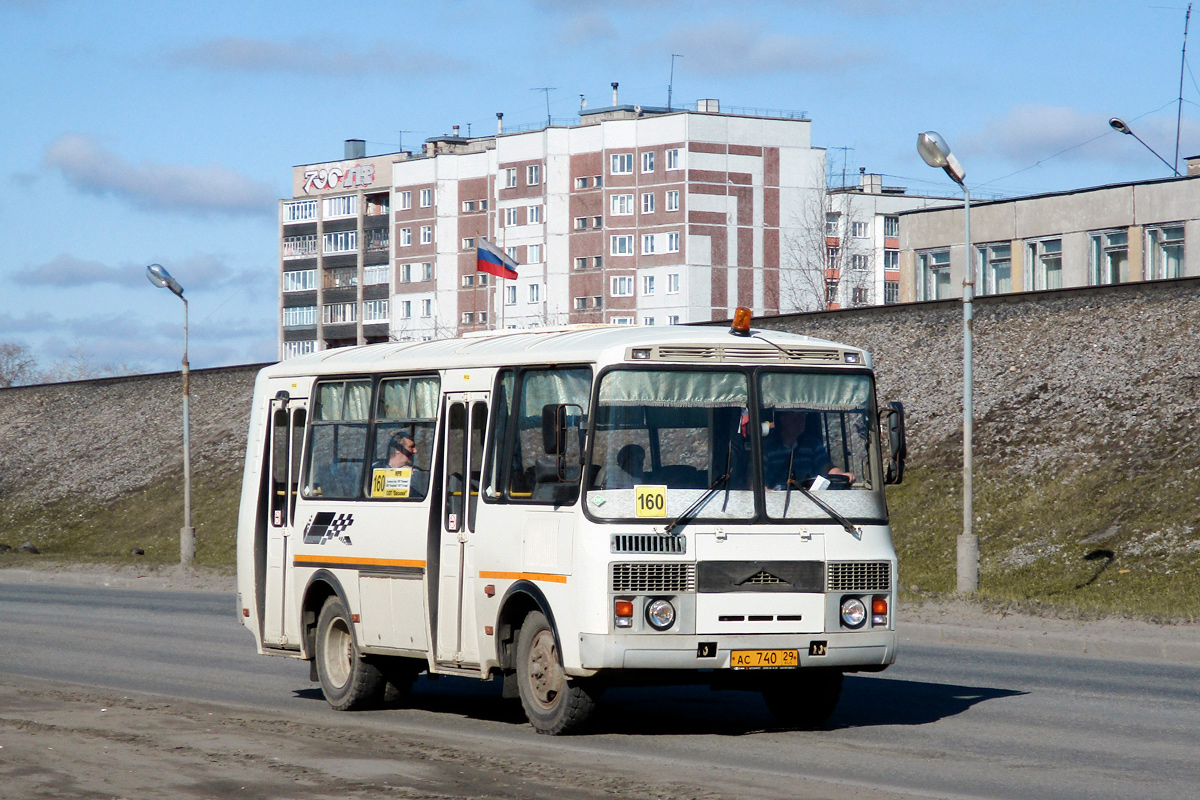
(492, 260)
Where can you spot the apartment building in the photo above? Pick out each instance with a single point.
(1145, 230)
(636, 215)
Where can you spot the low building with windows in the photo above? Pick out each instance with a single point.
(1087, 237)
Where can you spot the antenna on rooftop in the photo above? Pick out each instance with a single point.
(400, 136)
(844, 151)
(671, 84)
(1182, 66)
(547, 90)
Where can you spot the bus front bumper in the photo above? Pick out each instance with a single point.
(873, 649)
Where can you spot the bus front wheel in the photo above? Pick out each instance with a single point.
(803, 698)
(553, 702)
(348, 681)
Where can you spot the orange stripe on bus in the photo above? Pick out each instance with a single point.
(368, 562)
(525, 576)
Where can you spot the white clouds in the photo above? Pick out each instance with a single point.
(67, 271)
(722, 47)
(312, 57)
(92, 168)
(197, 274)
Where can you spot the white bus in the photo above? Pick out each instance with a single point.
(568, 510)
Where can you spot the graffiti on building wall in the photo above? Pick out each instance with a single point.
(338, 178)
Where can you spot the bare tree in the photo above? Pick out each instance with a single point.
(18, 366)
(79, 365)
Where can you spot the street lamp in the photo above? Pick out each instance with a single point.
(1119, 125)
(187, 534)
(936, 152)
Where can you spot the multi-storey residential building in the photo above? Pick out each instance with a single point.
(633, 216)
(1120, 233)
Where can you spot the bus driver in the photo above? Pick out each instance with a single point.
(793, 449)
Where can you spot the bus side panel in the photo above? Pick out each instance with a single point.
(251, 532)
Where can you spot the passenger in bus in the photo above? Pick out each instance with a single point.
(630, 468)
(402, 452)
(794, 448)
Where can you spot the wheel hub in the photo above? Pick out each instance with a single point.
(545, 674)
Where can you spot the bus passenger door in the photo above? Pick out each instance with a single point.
(284, 448)
(465, 424)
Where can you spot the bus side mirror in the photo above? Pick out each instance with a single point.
(561, 437)
(899, 448)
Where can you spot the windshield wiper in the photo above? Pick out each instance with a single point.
(828, 509)
(700, 501)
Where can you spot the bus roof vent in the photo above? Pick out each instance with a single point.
(760, 354)
(648, 543)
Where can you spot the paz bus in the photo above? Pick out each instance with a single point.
(566, 510)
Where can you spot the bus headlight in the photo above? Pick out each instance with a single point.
(854, 613)
(660, 614)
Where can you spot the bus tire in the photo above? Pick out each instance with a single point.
(804, 699)
(554, 703)
(348, 681)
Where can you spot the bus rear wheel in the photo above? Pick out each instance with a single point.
(553, 703)
(348, 681)
(804, 699)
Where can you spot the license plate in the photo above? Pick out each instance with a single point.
(764, 659)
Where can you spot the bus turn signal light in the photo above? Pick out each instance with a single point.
(623, 610)
(879, 610)
(741, 322)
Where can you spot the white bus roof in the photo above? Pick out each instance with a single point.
(668, 344)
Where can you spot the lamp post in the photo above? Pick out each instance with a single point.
(936, 152)
(1119, 125)
(187, 534)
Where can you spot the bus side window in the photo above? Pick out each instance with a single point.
(298, 418)
(338, 443)
(539, 388)
(493, 472)
(279, 466)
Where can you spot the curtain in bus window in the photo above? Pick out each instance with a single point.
(339, 439)
(816, 392)
(675, 389)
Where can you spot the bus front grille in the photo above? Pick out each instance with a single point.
(648, 543)
(653, 578)
(859, 576)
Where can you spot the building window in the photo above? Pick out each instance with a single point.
(597, 301)
(405, 273)
(300, 317)
(510, 177)
(533, 254)
(344, 206)
(405, 201)
(376, 274)
(1109, 257)
(648, 161)
(405, 237)
(891, 292)
(673, 158)
(581, 262)
(673, 242)
(1165, 248)
(468, 243)
(426, 234)
(335, 313)
(299, 246)
(340, 242)
(510, 217)
(580, 303)
(1044, 270)
(468, 280)
(622, 320)
(533, 174)
(534, 214)
(510, 295)
(482, 278)
(891, 259)
(468, 205)
(621, 286)
(831, 291)
(647, 243)
(831, 224)
(621, 164)
(673, 319)
(597, 261)
(406, 309)
(300, 280)
(341, 278)
(597, 222)
(831, 256)
(934, 274)
(861, 296)
(859, 262)
(427, 271)
(482, 317)
(483, 204)
(891, 227)
(673, 283)
(301, 211)
(858, 230)
(468, 318)
(995, 268)
(535, 292)
(511, 252)
(377, 239)
(375, 310)
(581, 183)
(621, 245)
(426, 198)
(647, 320)
(581, 223)
(622, 204)
(648, 203)
(293, 349)
(647, 284)
(427, 308)
(673, 200)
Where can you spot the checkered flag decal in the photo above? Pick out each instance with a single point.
(327, 525)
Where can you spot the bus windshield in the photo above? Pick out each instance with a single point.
(743, 446)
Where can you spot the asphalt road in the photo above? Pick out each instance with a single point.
(943, 722)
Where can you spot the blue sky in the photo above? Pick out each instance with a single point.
(139, 132)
